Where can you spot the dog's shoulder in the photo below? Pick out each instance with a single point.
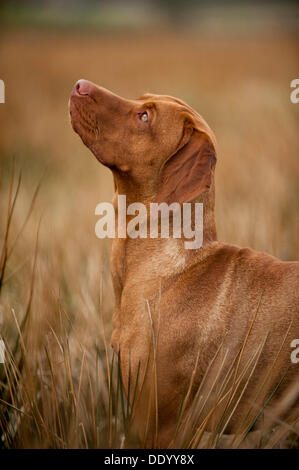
(244, 266)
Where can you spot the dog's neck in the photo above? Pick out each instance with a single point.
(162, 256)
(132, 196)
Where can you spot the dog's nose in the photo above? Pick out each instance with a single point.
(82, 87)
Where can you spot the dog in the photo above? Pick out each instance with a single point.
(179, 313)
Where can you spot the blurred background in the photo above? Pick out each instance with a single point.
(232, 61)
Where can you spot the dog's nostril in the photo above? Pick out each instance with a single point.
(82, 87)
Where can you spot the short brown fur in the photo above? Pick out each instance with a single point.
(194, 300)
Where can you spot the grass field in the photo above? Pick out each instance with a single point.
(56, 296)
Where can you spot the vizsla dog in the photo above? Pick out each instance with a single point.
(219, 319)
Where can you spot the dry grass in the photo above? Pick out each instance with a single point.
(58, 386)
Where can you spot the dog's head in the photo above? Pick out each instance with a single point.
(158, 147)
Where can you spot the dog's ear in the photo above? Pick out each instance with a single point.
(188, 172)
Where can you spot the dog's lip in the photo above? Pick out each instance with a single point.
(79, 120)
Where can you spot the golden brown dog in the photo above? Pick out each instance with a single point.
(221, 312)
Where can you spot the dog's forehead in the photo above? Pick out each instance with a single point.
(156, 97)
(166, 101)
(173, 104)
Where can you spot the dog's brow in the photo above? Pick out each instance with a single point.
(150, 105)
(143, 97)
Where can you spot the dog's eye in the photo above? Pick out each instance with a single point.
(144, 116)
